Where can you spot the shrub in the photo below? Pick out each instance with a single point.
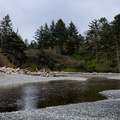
(3, 60)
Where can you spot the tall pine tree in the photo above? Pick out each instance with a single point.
(72, 41)
(61, 36)
(116, 32)
(5, 31)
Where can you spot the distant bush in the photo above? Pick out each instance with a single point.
(56, 61)
(10, 65)
(3, 60)
(52, 60)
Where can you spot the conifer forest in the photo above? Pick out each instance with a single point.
(59, 47)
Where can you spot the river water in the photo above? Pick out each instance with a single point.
(40, 95)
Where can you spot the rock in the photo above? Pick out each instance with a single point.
(59, 75)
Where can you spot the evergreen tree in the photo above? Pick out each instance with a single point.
(105, 40)
(61, 36)
(93, 36)
(26, 42)
(53, 43)
(46, 36)
(11, 43)
(15, 49)
(39, 37)
(43, 37)
(1, 41)
(80, 43)
(116, 33)
(5, 31)
(33, 45)
(72, 42)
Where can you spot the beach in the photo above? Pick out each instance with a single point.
(100, 110)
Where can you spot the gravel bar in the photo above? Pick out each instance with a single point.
(100, 110)
(7, 80)
(111, 94)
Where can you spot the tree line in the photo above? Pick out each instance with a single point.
(58, 37)
(100, 43)
(98, 49)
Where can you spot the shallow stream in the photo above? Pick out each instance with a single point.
(40, 95)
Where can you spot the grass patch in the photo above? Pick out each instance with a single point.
(70, 70)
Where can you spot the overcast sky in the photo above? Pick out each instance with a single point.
(28, 15)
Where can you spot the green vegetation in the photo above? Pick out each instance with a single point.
(50, 59)
(3, 60)
(61, 47)
(11, 44)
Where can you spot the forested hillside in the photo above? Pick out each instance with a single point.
(60, 47)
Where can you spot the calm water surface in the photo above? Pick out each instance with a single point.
(40, 95)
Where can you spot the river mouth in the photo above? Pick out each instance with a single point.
(53, 93)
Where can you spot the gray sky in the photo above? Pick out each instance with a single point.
(28, 15)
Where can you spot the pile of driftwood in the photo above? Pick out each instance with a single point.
(46, 73)
(8, 70)
(43, 72)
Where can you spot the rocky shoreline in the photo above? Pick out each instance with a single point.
(100, 110)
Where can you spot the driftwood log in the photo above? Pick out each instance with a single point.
(8, 70)
(46, 73)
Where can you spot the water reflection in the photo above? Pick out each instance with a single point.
(29, 98)
(39, 95)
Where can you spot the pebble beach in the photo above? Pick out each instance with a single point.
(100, 110)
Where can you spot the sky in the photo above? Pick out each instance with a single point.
(28, 15)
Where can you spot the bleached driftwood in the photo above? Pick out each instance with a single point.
(45, 73)
(8, 70)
